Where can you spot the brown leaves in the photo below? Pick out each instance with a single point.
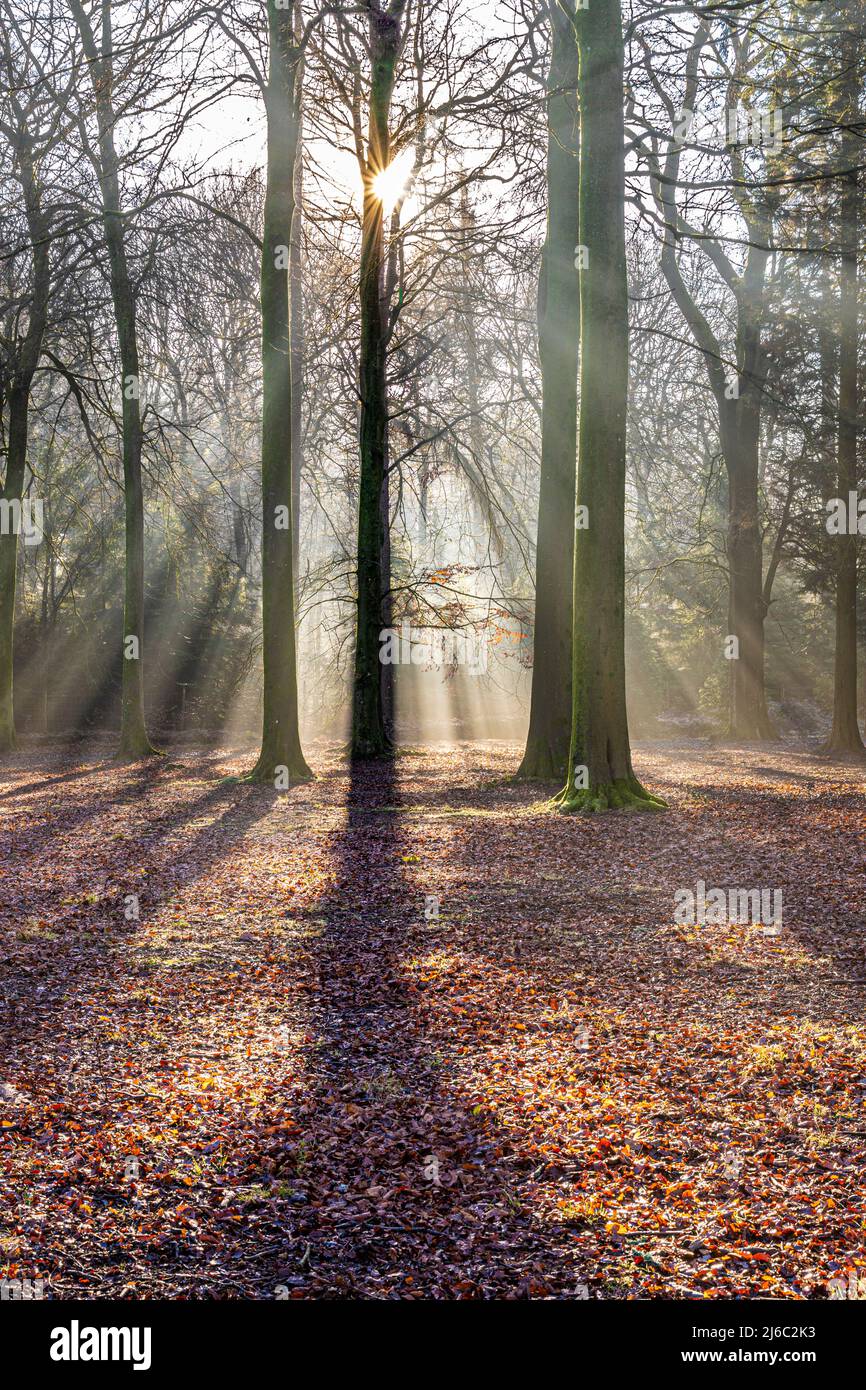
(284, 1073)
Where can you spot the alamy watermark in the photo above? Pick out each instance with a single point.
(737, 127)
(439, 647)
(846, 518)
(739, 906)
(77, 1343)
(852, 1287)
(23, 517)
(18, 1290)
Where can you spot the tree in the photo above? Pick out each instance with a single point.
(296, 300)
(845, 732)
(281, 742)
(387, 33)
(738, 388)
(29, 132)
(547, 743)
(134, 742)
(599, 733)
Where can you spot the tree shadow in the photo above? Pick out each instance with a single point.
(29, 787)
(570, 926)
(406, 1186)
(74, 1032)
(134, 780)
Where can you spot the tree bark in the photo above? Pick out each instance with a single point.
(599, 734)
(281, 742)
(17, 436)
(370, 737)
(845, 732)
(296, 300)
(13, 488)
(546, 754)
(134, 742)
(749, 718)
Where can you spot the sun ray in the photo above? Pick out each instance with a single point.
(390, 184)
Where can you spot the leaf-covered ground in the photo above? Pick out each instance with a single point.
(290, 1078)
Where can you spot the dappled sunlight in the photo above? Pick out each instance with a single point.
(327, 1003)
(677, 1154)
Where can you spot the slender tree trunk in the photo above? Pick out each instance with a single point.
(296, 299)
(387, 673)
(749, 718)
(599, 736)
(370, 738)
(423, 502)
(17, 434)
(134, 742)
(281, 754)
(465, 324)
(740, 434)
(13, 488)
(46, 625)
(548, 739)
(845, 732)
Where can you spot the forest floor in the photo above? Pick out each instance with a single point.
(285, 1080)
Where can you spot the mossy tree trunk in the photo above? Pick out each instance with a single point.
(281, 756)
(599, 734)
(845, 732)
(546, 754)
(296, 302)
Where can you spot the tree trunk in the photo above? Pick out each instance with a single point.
(548, 739)
(599, 736)
(749, 718)
(387, 674)
(296, 300)
(13, 487)
(134, 742)
(19, 405)
(370, 738)
(281, 753)
(845, 733)
(483, 534)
